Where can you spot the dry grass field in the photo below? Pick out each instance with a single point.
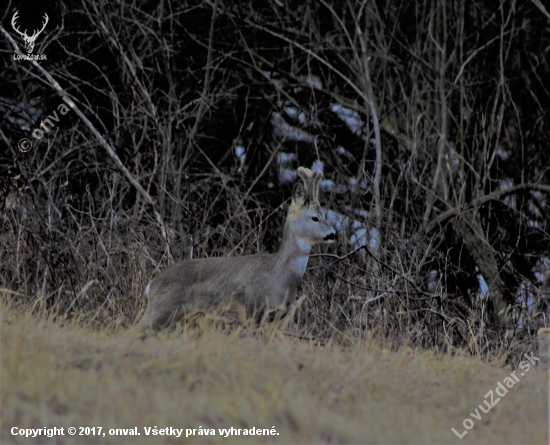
(66, 374)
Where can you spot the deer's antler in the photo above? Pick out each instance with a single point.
(13, 19)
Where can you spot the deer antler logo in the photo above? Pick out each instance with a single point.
(29, 40)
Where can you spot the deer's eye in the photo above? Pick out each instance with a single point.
(314, 218)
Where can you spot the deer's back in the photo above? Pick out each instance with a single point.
(204, 284)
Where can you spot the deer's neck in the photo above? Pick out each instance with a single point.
(293, 254)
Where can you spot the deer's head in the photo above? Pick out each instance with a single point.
(306, 219)
(29, 40)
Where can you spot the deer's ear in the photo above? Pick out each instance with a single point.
(299, 195)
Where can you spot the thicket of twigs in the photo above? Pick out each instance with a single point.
(429, 119)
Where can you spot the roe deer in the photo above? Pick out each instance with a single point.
(250, 286)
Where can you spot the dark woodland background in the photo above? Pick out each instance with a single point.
(430, 120)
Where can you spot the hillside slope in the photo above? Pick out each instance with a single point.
(71, 376)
